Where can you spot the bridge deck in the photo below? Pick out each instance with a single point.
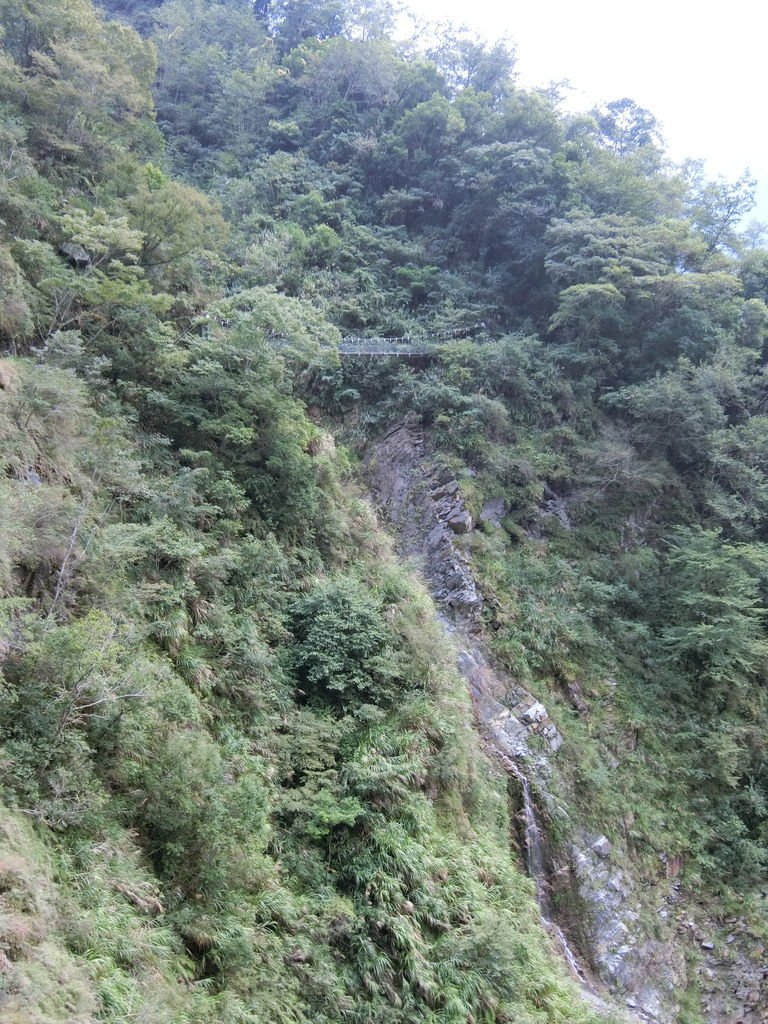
(405, 347)
(345, 350)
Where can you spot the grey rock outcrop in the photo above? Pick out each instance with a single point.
(602, 846)
(493, 512)
(500, 726)
(76, 254)
(647, 970)
(423, 501)
(643, 966)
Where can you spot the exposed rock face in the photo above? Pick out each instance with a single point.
(645, 968)
(493, 511)
(737, 991)
(76, 254)
(423, 502)
(649, 972)
(507, 714)
(500, 727)
(556, 507)
(733, 972)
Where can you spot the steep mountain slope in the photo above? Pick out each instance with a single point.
(242, 776)
(629, 929)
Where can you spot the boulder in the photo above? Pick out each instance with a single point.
(493, 511)
(76, 254)
(553, 737)
(460, 521)
(534, 714)
(445, 490)
(602, 846)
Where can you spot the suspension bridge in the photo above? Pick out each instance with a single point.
(403, 346)
(386, 347)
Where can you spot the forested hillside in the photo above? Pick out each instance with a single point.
(239, 774)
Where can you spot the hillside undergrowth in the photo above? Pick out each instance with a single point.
(239, 773)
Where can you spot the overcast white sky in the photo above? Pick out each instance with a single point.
(700, 67)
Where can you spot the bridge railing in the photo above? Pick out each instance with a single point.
(388, 345)
(385, 346)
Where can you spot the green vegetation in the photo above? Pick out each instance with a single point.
(239, 777)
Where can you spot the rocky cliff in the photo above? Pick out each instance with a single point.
(627, 936)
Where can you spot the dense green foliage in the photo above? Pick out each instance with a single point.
(235, 752)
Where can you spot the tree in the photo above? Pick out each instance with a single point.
(16, 323)
(216, 70)
(471, 63)
(139, 13)
(343, 652)
(626, 127)
(716, 632)
(718, 207)
(83, 83)
(175, 222)
(670, 307)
